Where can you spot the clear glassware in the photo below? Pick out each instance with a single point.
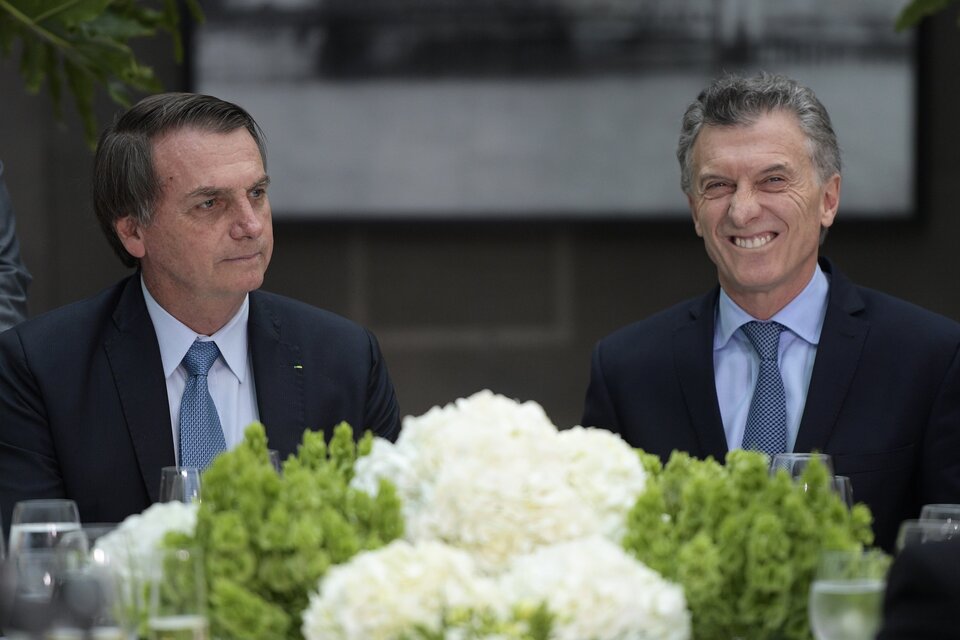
(846, 595)
(177, 601)
(921, 531)
(179, 484)
(795, 463)
(275, 461)
(948, 512)
(844, 488)
(43, 548)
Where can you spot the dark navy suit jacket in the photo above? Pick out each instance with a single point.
(83, 400)
(922, 599)
(884, 395)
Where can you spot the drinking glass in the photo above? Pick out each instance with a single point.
(948, 512)
(920, 531)
(86, 604)
(41, 551)
(795, 463)
(179, 484)
(177, 602)
(846, 595)
(275, 461)
(844, 488)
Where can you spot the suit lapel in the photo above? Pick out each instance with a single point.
(278, 375)
(693, 353)
(134, 356)
(838, 354)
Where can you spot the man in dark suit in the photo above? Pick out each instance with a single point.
(871, 380)
(923, 593)
(14, 277)
(91, 394)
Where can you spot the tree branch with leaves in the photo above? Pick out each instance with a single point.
(84, 44)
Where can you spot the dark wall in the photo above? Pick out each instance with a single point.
(512, 307)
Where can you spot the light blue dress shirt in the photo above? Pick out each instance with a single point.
(736, 363)
(230, 379)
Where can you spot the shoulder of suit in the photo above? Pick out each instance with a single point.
(661, 325)
(291, 311)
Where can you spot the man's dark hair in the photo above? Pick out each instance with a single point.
(125, 181)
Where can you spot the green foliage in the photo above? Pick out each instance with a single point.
(84, 44)
(743, 544)
(523, 623)
(917, 10)
(268, 538)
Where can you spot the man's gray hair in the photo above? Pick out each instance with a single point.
(738, 101)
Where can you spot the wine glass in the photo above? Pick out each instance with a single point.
(920, 531)
(844, 488)
(948, 512)
(177, 600)
(275, 461)
(795, 464)
(179, 484)
(41, 550)
(846, 595)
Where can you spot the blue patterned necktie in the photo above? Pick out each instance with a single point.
(767, 421)
(201, 437)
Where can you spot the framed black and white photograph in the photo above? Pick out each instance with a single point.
(550, 109)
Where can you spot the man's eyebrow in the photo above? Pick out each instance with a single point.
(212, 192)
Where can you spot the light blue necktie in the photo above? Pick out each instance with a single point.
(767, 421)
(201, 437)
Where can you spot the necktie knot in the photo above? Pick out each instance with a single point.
(200, 357)
(765, 338)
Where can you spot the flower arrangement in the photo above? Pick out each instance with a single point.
(484, 521)
(512, 530)
(743, 544)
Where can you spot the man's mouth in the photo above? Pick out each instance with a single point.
(753, 242)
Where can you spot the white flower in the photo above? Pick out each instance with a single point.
(133, 544)
(379, 595)
(606, 473)
(495, 477)
(598, 591)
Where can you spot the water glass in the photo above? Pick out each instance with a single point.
(921, 531)
(795, 463)
(179, 484)
(844, 488)
(177, 597)
(846, 595)
(948, 512)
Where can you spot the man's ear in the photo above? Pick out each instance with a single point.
(128, 230)
(831, 200)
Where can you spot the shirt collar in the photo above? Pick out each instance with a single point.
(175, 337)
(803, 315)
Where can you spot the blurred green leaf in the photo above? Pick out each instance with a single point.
(917, 10)
(84, 44)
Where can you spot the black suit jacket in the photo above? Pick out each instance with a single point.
(922, 599)
(884, 395)
(83, 400)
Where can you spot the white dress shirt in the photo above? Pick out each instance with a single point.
(230, 379)
(736, 363)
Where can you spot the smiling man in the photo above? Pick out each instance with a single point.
(169, 365)
(786, 354)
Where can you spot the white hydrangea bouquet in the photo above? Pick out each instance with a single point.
(512, 531)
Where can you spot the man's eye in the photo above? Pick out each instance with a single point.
(259, 192)
(207, 204)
